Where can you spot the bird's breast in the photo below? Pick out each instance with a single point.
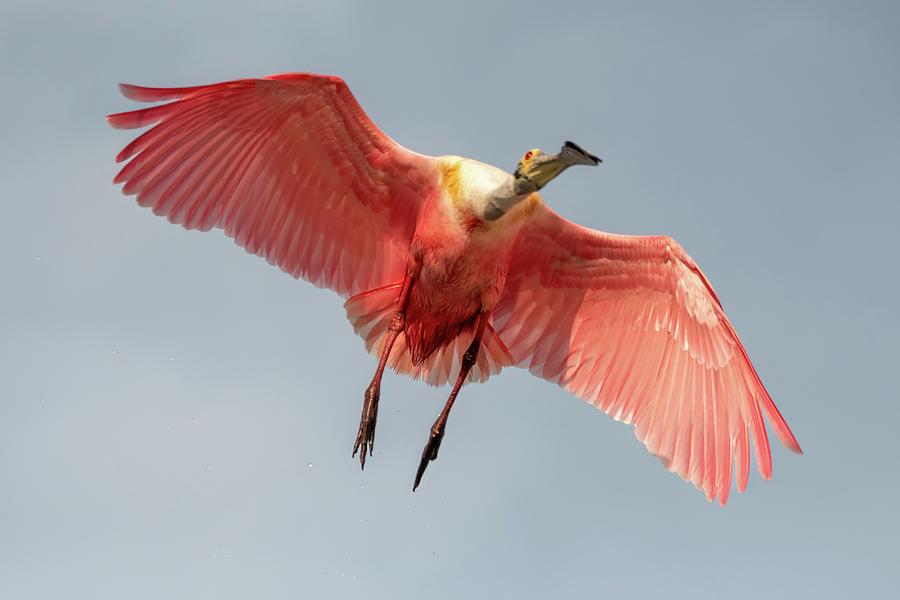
(463, 258)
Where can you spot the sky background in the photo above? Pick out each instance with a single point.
(176, 416)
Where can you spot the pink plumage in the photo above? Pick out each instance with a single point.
(437, 283)
(288, 166)
(631, 325)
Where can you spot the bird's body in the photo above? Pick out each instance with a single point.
(452, 267)
(462, 258)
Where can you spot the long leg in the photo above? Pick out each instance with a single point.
(436, 434)
(365, 438)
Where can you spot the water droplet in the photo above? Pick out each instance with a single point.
(171, 359)
(396, 411)
(354, 578)
(114, 351)
(43, 399)
(309, 465)
(360, 520)
(427, 526)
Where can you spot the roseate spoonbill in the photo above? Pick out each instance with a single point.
(452, 266)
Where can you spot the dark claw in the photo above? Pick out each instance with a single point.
(430, 452)
(365, 438)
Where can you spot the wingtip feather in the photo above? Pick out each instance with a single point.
(114, 120)
(784, 433)
(147, 94)
(131, 119)
(132, 92)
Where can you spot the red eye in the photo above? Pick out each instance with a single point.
(528, 155)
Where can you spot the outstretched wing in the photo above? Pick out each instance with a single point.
(631, 325)
(289, 166)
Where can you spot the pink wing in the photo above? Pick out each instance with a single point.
(631, 325)
(289, 166)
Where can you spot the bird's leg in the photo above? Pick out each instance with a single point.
(365, 438)
(436, 434)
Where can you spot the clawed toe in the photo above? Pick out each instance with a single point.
(365, 438)
(430, 452)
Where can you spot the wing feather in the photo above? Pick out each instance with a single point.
(632, 325)
(289, 166)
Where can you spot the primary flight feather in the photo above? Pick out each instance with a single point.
(452, 267)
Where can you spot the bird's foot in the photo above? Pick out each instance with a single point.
(365, 438)
(430, 452)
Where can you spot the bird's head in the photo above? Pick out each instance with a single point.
(536, 168)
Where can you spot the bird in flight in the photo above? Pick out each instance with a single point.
(453, 269)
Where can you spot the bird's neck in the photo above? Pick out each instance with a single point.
(509, 194)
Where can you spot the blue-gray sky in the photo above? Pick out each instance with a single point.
(176, 416)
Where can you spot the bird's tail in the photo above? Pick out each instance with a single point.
(370, 313)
